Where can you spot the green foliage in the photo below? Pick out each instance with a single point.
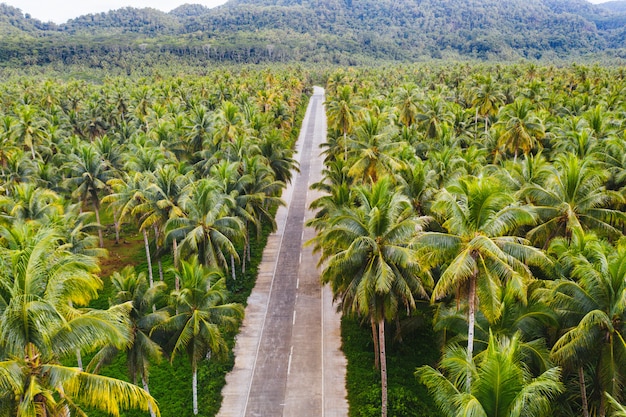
(341, 32)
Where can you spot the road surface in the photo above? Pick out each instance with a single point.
(288, 358)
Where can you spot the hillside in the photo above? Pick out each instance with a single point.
(340, 31)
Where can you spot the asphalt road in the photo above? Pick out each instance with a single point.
(288, 360)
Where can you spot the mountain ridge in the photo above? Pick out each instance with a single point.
(333, 30)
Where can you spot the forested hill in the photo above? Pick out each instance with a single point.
(339, 31)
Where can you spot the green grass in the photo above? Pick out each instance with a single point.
(407, 397)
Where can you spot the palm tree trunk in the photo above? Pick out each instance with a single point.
(159, 264)
(471, 324)
(146, 244)
(144, 382)
(243, 259)
(97, 211)
(175, 252)
(583, 391)
(375, 339)
(383, 367)
(79, 360)
(476, 125)
(345, 146)
(232, 267)
(245, 250)
(117, 224)
(194, 388)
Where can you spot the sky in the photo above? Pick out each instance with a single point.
(59, 11)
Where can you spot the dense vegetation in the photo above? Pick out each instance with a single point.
(194, 167)
(338, 31)
(497, 194)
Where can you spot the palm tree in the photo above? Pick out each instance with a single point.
(30, 128)
(208, 228)
(520, 128)
(367, 260)
(129, 193)
(160, 202)
(590, 302)
(202, 314)
(199, 129)
(477, 250)
(133, 287)
(416, 182)
(342, 112)
(375, 151)
(40, 282)
(27, 202)
(573, 196)
(407, 100)
(88, 175)
(279, 158)
(502, 385)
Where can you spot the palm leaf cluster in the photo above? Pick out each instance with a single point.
(513, 179)
(195, 165)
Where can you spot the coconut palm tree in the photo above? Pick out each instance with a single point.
(571, 197)
(501, 383)
(368, 263)
(30, 128)
(209, 227)
(342, 112)
(520, 128)
(278, 157)
(590, 301)
(129, 193)
(202, 314)
(40, 285)
(477, 250)
(133, 287)
(87, 177)
(407, 99)
(375, 151)
(27, 202)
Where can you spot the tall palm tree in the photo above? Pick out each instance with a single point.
(502, 385)
(161, 202)
(30, 128)
(407, 99)
(133, 287)
(477, 249)
(574, 196)
(128, 194)
(88, 175)
(520, 128)
(279, 158)
(202, 314)
(590, 302)
(40, 283)
(27, 202)
(375, 151)
(209, 227)
(342, 112)
(367, 260)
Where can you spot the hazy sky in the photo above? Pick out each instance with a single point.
(60, 11)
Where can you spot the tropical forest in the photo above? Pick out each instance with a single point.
(307, 208)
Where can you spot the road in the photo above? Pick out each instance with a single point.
(288, 358)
